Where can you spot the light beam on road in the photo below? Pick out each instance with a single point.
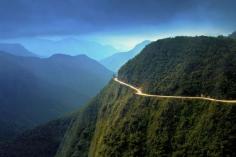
(139, 92)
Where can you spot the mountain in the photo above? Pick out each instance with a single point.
(16, 49)
(34, 90)
(117, 122)
(206, 69)
(69, 46)
(42, 141)
(233, 35)
(115, 61)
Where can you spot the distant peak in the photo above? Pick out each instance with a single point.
(60, 55)
(65, 56)
(16, 49)
(143, 43)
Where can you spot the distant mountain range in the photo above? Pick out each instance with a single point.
(117, 122)
(16, 49)
(35, 90)
(115, 61)
(233, 35)
(70, 46)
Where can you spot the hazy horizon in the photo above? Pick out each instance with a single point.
(120, 24)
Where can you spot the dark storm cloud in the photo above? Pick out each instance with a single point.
(20, 18)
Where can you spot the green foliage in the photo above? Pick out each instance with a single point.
(78, 137)
(128, 125)
(149, 127)
(42, 141)
(185, 66)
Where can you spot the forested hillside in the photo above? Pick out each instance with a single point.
(119, 123)
(185, 66)
(42, 141)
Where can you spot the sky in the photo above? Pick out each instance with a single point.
(121, 23)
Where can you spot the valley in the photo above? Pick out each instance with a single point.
(123, 120)
(150, 109)
(117, 78)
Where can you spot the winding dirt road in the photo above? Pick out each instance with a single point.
(139, 92)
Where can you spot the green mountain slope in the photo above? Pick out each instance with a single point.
(185, 66)
(42, 141)
(119, 123)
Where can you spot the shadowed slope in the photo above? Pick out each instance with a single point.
(34, 90)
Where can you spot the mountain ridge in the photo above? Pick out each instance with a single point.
(121, 123)
(186, 54)
(69, 46)
(115, 61)
(44, 89)
(233, 35)
(16, 49)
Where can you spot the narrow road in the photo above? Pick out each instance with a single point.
(139, 92)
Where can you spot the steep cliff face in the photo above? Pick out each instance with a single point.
(149, 127)
(120, 123)
(79, 136)
(42, 141)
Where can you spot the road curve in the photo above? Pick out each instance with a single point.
(139, 92)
